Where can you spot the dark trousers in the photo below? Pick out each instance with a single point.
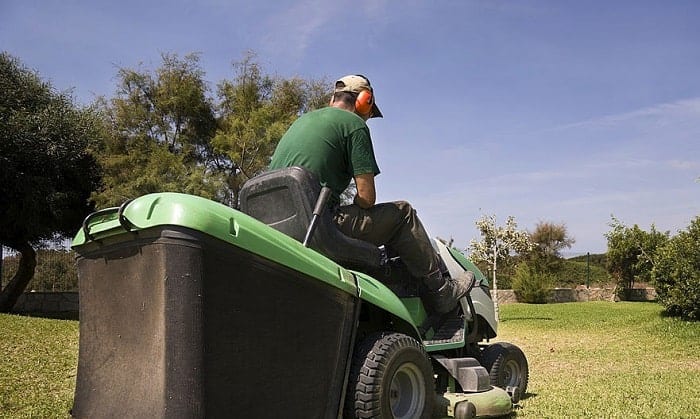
(395, 225)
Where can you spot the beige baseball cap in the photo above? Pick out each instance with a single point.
(355, 84)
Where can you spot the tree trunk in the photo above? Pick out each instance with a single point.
(24, 274)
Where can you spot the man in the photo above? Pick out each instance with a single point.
(335, 144)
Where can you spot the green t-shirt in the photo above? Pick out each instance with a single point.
(332, 143)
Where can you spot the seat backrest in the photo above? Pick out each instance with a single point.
(284, 200)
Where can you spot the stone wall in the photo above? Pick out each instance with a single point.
(47, 302)
(581, 294)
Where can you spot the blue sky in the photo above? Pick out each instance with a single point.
(560, 111)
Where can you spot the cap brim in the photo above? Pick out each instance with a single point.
(376, 113)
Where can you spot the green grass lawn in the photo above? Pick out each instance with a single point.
(587, 360)
(38, 363)
(605, 360)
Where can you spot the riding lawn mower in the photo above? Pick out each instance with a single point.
(189, 308)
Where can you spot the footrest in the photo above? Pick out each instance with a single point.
(451, 331)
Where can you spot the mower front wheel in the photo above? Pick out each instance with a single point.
(391, 377)
(507, 367)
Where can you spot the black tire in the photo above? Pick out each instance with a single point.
(390, 377)
(507, 366)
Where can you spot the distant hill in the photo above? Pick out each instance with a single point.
(599, 259)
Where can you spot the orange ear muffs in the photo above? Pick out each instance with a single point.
(364, 102)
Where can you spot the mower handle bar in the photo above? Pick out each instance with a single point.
(321, 204)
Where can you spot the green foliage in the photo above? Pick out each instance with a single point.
(46, 169)
(255, 110)
(167, 134)
(631, 252)
(597, 259)
(55, 270)
(676, 273)
(572, 273)
(160, 126)
(532, 284)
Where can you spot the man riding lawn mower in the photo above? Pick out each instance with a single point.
(189, 308)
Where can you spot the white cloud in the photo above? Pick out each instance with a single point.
(662, 114)
(642, 169)
(291, 31)
(684, 164)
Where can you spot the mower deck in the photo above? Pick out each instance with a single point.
(492, 403)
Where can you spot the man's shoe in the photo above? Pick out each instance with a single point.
(445, 299)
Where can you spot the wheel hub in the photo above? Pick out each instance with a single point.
(407, 392)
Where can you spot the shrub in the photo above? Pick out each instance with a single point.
(676, 273)
(55, 271)
(532, 284)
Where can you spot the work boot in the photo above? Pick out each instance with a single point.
(445, 298)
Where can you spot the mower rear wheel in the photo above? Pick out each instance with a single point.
(507, 366)
(391, 377)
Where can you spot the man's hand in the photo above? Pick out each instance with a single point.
(366, 194)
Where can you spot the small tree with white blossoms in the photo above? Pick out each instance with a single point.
(497, 244)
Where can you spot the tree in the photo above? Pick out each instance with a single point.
(160, 128)
(548, 240)
(676, 273)
(497, 244)
(47, 171)
(255, 110)
(631, 252)
(168, 134)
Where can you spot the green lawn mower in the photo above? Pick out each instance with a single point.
(190, 309)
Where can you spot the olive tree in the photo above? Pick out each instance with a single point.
(497, 244)
(47, 171)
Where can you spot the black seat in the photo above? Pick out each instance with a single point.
(284, 200)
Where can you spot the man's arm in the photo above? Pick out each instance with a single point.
(366, 194)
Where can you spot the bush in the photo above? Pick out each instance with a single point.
(531, 284)
(676, 273)
(631, 252)
(55, 271)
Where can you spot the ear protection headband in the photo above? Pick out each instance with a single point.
(364, 102)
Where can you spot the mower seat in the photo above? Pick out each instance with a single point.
(284, 199)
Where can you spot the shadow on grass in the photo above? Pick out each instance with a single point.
(518, 407)
(55, 315)
(528, 395)
(527, 318)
